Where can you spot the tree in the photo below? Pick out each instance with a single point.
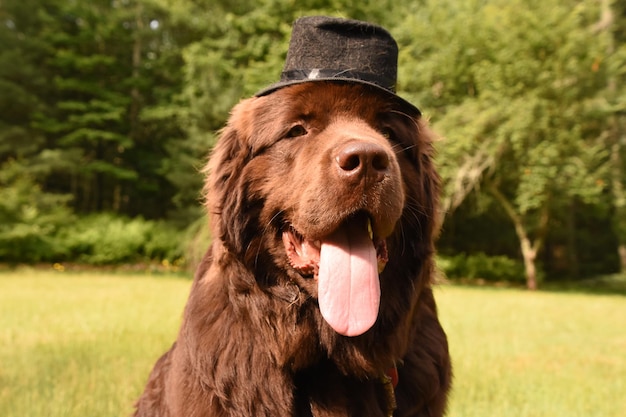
(514, 85)
(95, 85)
(29, 217)
(612, 25)
(24, 84)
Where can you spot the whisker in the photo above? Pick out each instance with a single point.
(403, 149)
(274, 218)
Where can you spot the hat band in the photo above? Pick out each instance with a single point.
(344, 75)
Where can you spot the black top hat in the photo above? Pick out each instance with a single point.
(333, 49)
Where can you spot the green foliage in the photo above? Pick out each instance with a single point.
(117, 104)
(479, 266)
(108, 239)
(29, 217)
(511, 87)
(39, 227)
(94, 85)
(514, 86)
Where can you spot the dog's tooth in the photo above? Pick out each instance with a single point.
(369, 229)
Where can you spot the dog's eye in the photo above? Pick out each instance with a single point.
(296, 130)
(388, 133)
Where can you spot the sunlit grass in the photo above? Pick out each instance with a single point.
(518, 353)
(83, 345)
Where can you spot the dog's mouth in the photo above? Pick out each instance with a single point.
(346, 264)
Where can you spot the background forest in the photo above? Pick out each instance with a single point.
(108, 109)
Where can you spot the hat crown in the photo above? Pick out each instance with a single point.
(325, 47)
(334, 49)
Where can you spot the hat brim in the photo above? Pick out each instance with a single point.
(411, 109)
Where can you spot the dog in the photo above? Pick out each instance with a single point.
(313, 191)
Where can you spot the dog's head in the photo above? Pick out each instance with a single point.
(329, 186)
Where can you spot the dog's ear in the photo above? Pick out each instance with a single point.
(225, 189)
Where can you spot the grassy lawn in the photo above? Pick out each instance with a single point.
(82, 344)
(518, 353)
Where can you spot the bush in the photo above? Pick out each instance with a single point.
(480, 266)
(108, 239)
(197, 241)
(165, 243)
(29, 217)
(38, 226)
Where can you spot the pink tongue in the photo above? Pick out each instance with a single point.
(348, 285)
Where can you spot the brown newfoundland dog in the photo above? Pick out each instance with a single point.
(315, 298)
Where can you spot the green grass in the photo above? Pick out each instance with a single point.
(523, 354)
(82, 344)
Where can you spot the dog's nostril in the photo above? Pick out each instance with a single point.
(380, 161)
(349, 161)
(362, 158)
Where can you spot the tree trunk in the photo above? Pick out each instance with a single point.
(529, 255)
(529, 248)
(573, 268)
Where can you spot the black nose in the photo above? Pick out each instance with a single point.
(357, 160)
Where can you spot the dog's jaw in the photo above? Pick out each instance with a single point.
(345, 267)
(304, 254)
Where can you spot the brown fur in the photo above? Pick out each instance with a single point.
(252, 340)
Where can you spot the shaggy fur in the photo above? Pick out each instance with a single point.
(252, 340)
